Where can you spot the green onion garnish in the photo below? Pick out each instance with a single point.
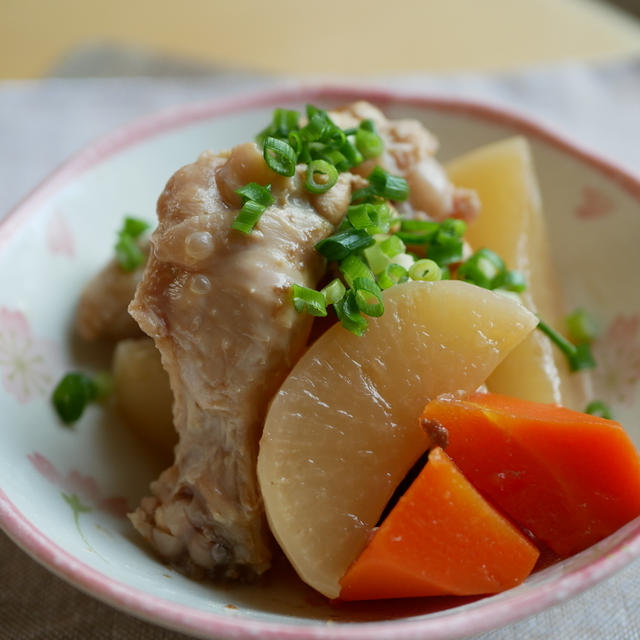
(128, 254)
(134, 227)
(323, 168)
(579, 356)
(280, 156)
(368, 143)
(75, 391)
(353, 267)
(351, 153)
(425, 270)
(318, 127)
(349, 315)
(377, 259)
(334, 291)
(257, 193)
(341, 244)
(256, 199)
(387, 186)
(337, 159)
(447, 252)
(392, 275)
(308, 300)
(368, 297)
(599, 408)
(417, 232)
(581, 326)
(284, 121)
(482, 268)
(392, 246)
(360, 215)
(248, 216)
(513, 281)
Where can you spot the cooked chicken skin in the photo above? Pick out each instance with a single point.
(218, 305)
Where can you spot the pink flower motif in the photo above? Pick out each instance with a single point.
(594, 204)
(84, 485)
(25, 363)
(59, 236)
(617, 354)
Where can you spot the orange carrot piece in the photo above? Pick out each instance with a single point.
(441, 538)
(570, 478)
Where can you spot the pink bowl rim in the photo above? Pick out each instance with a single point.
(453, 623)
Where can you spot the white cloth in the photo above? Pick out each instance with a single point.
(42, 122)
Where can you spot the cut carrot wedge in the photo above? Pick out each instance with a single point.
(441, 538)
(568, 477)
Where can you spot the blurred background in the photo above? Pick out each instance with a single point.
(129, 37)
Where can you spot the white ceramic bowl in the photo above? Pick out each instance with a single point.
(64, 231)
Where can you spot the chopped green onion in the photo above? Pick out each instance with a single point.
(368, 125)
(333, 292)
(103, 383)
(311, 111)
(296, 143)
(581, 326)
(280, 156)
(368, 297)
(317, 128)
(337, 159)
(392, 246)
(353, 267)
(72, 394)
(336, 137)
(369, 143)
(134, 227)
(425, 270)
(366, 194)
(349, 314)
(256, 199)
(392, 275)
(387, 186)
(583, 358)
(417, 232)
(377, 258)
(325, 169)
(128, 254)
(454, 227)
(341, 244)
(599, 408)
(381, 217)
(447, 253)
(257, 193)
(359, 215)
(482, 268)
(579, 357)
(351, 153)
(248, 216)
(510, 281)
(284, 121)
(308, 300)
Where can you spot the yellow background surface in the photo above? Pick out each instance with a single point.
(325, 36)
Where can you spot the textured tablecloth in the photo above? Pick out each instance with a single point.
(42, 122)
